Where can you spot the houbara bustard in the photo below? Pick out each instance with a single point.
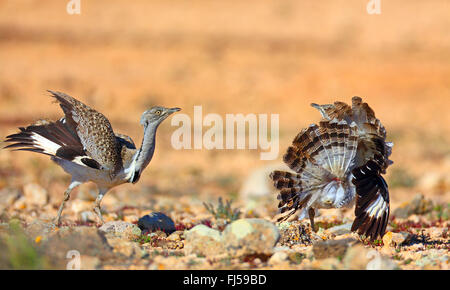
(84, 144)
(342, 157)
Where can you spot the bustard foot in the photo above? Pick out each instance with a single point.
(72, 185)
(99, 214)
(312, 213)
(97, 202)
(56, 221)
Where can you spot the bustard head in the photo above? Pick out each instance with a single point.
(156, 115)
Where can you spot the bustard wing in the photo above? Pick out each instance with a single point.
(94, 131)
(372, 199)
(127, 149)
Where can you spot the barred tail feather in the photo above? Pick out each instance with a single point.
(53, 139)
(292, 196)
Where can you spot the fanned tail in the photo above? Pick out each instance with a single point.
(319, 155)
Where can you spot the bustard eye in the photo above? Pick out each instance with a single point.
(158, 112)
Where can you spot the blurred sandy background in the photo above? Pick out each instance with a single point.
(122, 57)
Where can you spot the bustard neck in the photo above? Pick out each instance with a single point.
(145, 153)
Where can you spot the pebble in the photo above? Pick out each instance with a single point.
(121, 228)
(340, 229)
(156, 221)
(391, 239)
(250, 236)
(203, 241)
(359, 257)
(278, 258)
(331, 248)
(174, 237)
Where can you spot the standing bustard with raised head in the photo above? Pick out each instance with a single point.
(341, 158)
(84, 144)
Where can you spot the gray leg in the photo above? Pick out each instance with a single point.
(311, 213)
(97, 202)
(72, 185)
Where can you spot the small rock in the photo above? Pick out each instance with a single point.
(359, 257)
(278, 258)
(124, 247)
(121, 228)
(35, 194)
(174, 237)
(331, 248)
(419, 205)
(157, 221)
(341, 229)
(391, 239)
(204, 241)
(250, 236)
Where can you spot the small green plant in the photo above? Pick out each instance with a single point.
(21, 252)
(442, 211)
(223, 211)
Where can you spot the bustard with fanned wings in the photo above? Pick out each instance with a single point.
(84, 144)
(341, 158)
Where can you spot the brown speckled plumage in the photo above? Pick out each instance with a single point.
(94, 130)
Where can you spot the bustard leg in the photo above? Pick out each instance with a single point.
(97, 202)
(312, 213)
(72, 185)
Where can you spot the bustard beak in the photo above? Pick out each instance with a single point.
(173, 110)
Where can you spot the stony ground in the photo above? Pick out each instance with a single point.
(213, 236)
(231, 57)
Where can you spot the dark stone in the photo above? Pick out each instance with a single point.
(156, 221)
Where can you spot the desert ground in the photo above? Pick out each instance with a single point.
(230, 57)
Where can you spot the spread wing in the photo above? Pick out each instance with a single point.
(372, 200)
(94, 131)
